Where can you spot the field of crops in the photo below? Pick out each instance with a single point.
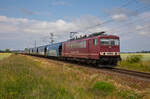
(145, 56)
(4, 55)
(135, 61)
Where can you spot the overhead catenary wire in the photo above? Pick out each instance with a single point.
(144, 19)
(112, 20)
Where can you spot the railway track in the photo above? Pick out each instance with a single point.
(132, 73)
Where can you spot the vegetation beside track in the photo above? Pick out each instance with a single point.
(135, 61)
(145, 56)
(25, 77)
(4, 55)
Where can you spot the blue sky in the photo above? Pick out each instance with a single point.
(55, 8)
(24, 21)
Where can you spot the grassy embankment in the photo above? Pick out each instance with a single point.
(4, 55)
(23, 77)
(135, 61)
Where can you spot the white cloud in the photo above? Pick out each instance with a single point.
(61, 27)
(28, 30)
(43, 28)
(119, 11)
(119, 17)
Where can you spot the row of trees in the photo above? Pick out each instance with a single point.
(6, 50)
(143, 51)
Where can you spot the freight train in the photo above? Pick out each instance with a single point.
(98, 48)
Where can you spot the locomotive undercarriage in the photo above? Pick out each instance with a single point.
(103, 61)
(106, 61)
(109, 60)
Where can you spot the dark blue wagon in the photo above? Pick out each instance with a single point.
(42, 50)
(54, 49)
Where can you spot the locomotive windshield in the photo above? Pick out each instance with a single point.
(109, 42)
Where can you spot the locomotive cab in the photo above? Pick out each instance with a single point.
(109, 49)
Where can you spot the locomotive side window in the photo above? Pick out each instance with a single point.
(104, 41)
(116, 42)
(81, 44)
(109, 42)
(95, 41)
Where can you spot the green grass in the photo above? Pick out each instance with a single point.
(4, 55)
(23, 77)
(135, 61)
(104, 88)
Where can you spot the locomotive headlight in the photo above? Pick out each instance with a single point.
(101, 53)
(118, 53)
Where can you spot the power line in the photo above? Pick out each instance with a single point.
(110, 20)
(137, 30)
(127, 3)
(144, 19)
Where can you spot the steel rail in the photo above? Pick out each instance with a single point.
(132, 72)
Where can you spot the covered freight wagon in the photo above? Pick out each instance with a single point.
(54, 49)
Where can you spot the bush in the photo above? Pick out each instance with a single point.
(134, 58)
(16, 53)
(104, 88)
(7, 50)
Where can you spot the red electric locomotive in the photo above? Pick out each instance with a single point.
(97, 48)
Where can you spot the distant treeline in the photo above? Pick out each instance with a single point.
(137, 52)
(143, 52)
(6, 50)
(2, 51)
